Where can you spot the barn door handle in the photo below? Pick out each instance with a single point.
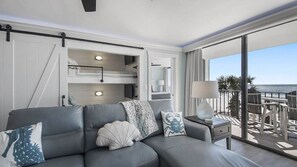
(63, 98)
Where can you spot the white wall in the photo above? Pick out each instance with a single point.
(110, 62)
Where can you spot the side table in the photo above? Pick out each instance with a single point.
(219, 129)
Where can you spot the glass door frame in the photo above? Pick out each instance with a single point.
(244, 88)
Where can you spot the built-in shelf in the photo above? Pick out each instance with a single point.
(158, 93)
(161, 95)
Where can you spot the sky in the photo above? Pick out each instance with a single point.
(276, 65)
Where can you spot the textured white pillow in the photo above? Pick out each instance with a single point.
(173, 124)
(22, 146)
(117, 135)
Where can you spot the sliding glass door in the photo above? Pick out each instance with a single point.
(224, 65)
(258, 86)
(272, 65)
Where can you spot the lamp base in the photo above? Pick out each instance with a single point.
(204, 111)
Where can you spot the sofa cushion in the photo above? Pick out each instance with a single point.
(160, 143)
(183, 151)
(138, 155)
(62, 128)
(158, 106)
(67, 161)
(96, 116)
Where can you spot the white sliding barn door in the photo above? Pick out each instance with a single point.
(36, 69)
(2, 80)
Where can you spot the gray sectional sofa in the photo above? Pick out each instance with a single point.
(69, 140)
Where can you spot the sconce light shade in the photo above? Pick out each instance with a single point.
(98, 93)
(99, 58)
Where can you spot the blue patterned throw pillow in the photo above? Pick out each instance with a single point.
(22, 146)
(173, 124)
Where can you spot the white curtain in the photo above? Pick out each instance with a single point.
(194, 72)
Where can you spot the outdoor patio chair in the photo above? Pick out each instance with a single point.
(290, 113)
(257, 107)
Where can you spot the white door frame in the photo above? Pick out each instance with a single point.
(174, 58)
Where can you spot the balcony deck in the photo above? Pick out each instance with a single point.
(228, 106)
(268, 138)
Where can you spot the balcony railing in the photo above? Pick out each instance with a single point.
(274, 94)
(229, 101)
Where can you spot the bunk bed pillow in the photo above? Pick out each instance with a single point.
(22, 146)
(117, 135)
(72, 101)
(173, 124)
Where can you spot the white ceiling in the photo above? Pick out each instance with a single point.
(168, 22)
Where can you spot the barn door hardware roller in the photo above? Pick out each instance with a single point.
(89, 5)
(63, 36)
(8, 29)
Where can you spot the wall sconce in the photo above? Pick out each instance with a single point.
(99, 58)
(98, 93)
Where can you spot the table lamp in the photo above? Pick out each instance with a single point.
(205, 90)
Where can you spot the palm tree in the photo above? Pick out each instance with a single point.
(233, 83)
(222, 82)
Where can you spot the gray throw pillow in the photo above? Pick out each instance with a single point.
(173, 124)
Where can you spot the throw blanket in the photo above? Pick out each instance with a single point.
(142, 116)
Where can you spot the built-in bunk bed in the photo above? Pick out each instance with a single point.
(98, 77)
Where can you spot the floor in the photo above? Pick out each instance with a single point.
(268, 138)
(258, 155)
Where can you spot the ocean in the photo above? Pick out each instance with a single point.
(277, 88)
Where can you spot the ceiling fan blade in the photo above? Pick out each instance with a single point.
(89, 5)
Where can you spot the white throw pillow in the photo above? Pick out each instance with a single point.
(22, 146)
(117, 135)
(173, 124)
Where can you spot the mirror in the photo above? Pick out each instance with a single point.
(161, 78)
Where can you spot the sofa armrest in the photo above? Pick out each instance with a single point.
(197, 131)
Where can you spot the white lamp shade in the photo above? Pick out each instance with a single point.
(161, 82)
(205, 89)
